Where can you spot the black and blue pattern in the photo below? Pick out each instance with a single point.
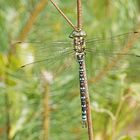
(80, 59)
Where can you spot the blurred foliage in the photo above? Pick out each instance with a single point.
(115, 98)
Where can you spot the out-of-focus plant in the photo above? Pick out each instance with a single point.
(114, 98)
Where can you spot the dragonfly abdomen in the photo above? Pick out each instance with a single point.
(80, 59)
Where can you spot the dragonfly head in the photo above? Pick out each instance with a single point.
(78, 33)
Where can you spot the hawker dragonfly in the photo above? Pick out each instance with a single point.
(104, 51)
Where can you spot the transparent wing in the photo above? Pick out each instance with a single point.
(107, 43)
(113, 54)
(38, 55)
(43, 51)
(102, 53)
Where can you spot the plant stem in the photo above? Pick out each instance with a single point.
(129, 45)
(64, 16)
(46, 112)
(7, 116)
(37, 10)
(79, 14)
(46, 78)
(89, 116)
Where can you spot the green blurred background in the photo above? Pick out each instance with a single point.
(42, 102)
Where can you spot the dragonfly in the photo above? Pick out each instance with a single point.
(104, 47)
(79, 49)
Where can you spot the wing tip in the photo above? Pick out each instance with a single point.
(137, 55)
(23, 66)
(136, 32)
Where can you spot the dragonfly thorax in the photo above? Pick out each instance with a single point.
(78, 40)
(79, 44)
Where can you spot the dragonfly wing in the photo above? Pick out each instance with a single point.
(113, 53)
(111, 43)
(39, 55)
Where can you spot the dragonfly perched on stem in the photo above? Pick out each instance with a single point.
(111, 48)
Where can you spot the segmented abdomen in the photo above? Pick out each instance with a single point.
(80, 58)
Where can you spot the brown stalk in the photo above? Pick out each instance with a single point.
(64, 16)
(37, 10)
(46, 113)
(28, 26)
(79, 14)
(26, 29)
(89, 116)
(7, 116)
(79, 25)
(125, 50)
(46, 108)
